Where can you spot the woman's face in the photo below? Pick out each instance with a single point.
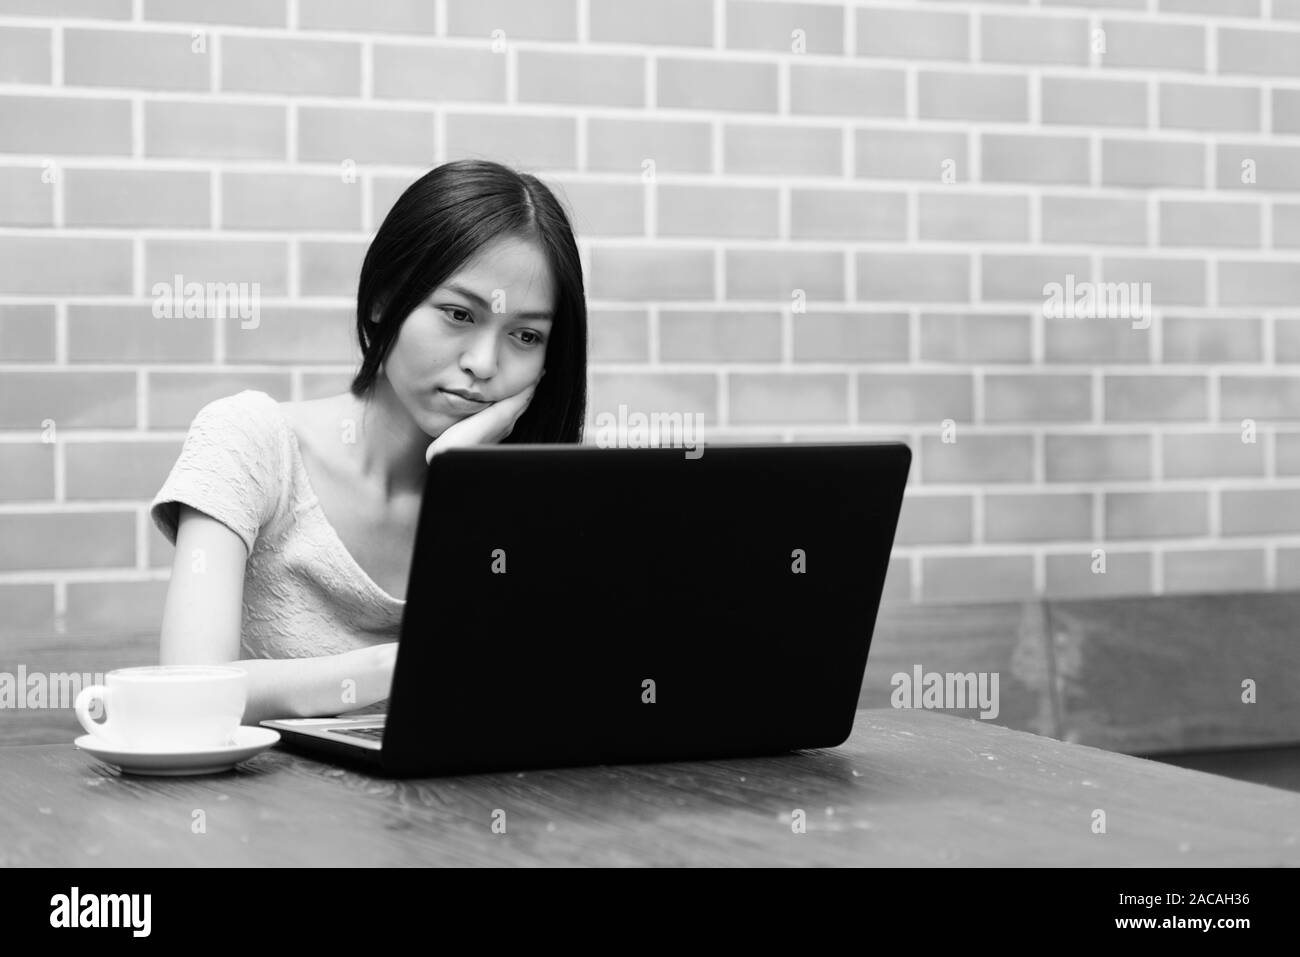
(484, 331)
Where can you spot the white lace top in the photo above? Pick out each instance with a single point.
(304, 593)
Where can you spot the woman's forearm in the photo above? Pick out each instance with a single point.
(311, 687)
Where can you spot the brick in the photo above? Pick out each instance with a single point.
(1286, 9)
(1016, 158)
(771, 26)
(1158, 46)
(1212, 8)
(618, 335)
(137, 198)
(606, 209)
(66, 125)
(277, 65)
(103, 9)
(935, 520)
(105, 471)
(1110, 457)
(1212, 339)
(1287, 453)
(908, 154)
(219, 261)
(1051, 41)
(1094, 340)
(1286, 111)
(847, 214)
(196, 130)
(667, 392)
(1288, 568)
(650, 272)
(28, 609)
(777, 273)
(330, 268)
(781, 150)
(1192, 223)
(1259, 51)
(1020, 276)
(975, 337)
(830, 90)
(389, 137)
(26, 333)
(377, 16)
(130, 334)
(1070, 575)
(622, 145)
(970, 578)
(928, 277)
(524, 142)
(519, 19)
(1286, 340)
(787, 398)
(1152, 163)
(74, 400)
(1209, 107)
(24, 199)
(1211, 455)
(294, 335)
(1258, 283)
(850, 336)
(978, 97)
(115, 607)
(67, 540)
(586, 79)
(176, 397)
(1155, 398)
(672, 22)
(712, 84)
(1259, 396)
(1178, 282)
(912, 35)
(976, 458)
(948, 215)
(1094, 219)
(1286, 226)
(1214, 570)
(439, 73)
(1163, 514)
(1037, 517)
(687, 210)
(719, 336)
(25, 55)
(26, 472)
(146, 60)
(1273, 167)
(1037, 397)
(1090, 102)
(925, 397)
(253, 13)
(289, 201)
(64, 265)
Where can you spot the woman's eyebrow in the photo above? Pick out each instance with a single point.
(484, 304)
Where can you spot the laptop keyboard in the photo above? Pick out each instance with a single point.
(374, 734)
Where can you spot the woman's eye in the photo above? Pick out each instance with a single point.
(535, 340)
(453, 312)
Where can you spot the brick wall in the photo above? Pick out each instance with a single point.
(807, 221)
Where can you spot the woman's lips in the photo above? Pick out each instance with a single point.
(460, 403)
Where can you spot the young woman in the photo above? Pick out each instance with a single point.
(294, 522)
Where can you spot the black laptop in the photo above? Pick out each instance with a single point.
(574, 605)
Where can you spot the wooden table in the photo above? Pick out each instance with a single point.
(908, 788)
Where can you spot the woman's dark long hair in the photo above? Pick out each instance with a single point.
(437, 225)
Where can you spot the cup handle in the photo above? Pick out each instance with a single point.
(82, 707)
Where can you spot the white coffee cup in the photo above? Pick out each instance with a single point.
(166, 707)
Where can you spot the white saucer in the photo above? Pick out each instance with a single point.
(248, 742)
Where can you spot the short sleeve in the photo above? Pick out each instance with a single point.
(230, 468)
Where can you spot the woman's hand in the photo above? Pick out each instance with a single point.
(485, 427)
